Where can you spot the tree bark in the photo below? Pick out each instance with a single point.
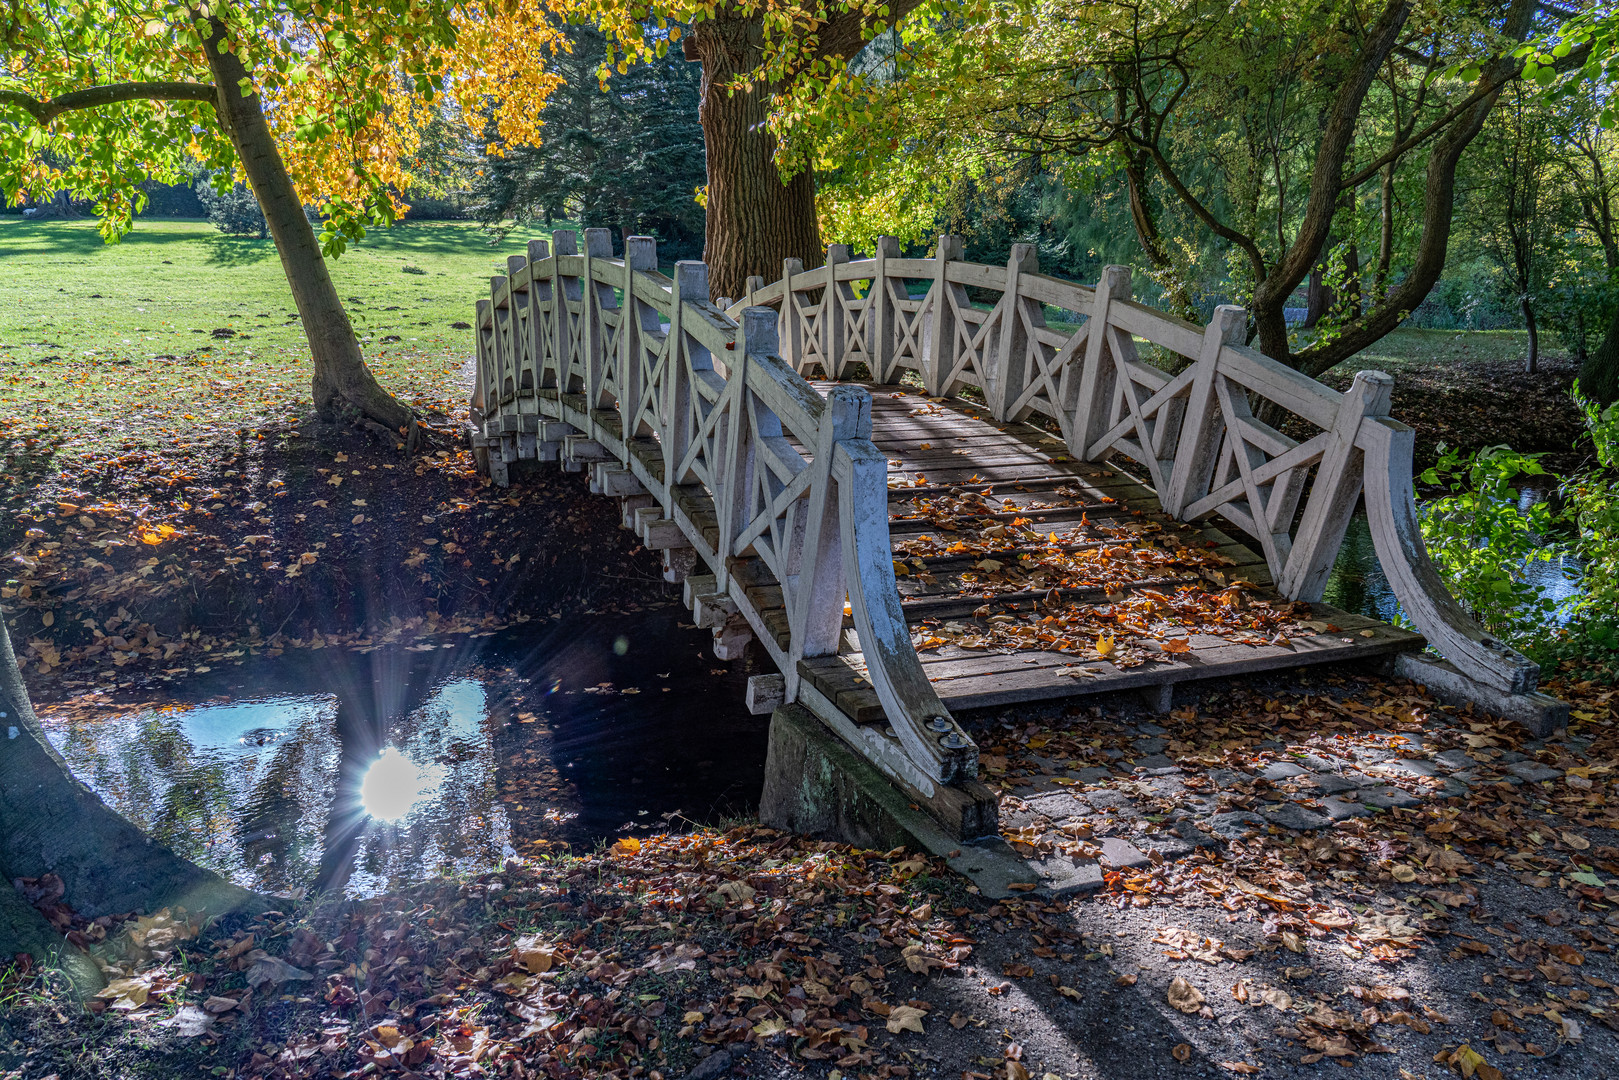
(50, 823)
(1385, 236)
(1311, 242)
(342, 382)
(754, 219)
(1439, 202)
(1531, 364)
(1599, 374)
(1318, 296)
(1148, 234)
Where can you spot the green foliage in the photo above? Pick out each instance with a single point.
(1592, 507)
(1483, 538)
(234, 212)
(629, 156)
(1484, 535)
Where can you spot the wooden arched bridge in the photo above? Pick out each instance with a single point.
(1004, 487)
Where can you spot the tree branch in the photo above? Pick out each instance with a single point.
(846, 33)
(1482, 91)
(45, 112)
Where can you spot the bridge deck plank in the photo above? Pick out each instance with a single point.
(1022, 473)
(1008, 473)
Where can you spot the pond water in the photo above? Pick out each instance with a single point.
(340, 771)
(1357, 582)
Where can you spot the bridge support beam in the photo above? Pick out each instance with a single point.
(816, 785)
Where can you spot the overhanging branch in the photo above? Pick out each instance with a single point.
(45, 112)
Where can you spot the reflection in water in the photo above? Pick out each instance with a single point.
(1358, 584)
(394, 784)
(408, 763)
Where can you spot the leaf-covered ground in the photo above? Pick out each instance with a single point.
(1468, 390)
(1465, 929)
(170, 509)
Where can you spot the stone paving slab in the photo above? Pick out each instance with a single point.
(1146, 805)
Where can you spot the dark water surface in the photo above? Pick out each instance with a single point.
(339, 770)
(1357, 582)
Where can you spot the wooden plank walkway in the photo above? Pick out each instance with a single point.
(1079, 544)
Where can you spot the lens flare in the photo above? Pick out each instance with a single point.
(394, 784)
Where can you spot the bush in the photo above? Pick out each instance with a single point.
(1592, 509)
(234, 212)
(1482, 540)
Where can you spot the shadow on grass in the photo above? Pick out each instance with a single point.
(237, 250)
(79, 237)
(449, 239)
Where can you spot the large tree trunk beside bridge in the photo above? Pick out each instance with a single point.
(754, 218)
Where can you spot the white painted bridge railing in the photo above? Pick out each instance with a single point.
(732, 453)
(1194, 435)
(702, 419)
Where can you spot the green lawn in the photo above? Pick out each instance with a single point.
(1409, 348)
(111, 346)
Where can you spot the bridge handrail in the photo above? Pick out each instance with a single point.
(1194, 433)
(794, 478)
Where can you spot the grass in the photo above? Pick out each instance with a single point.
(113, 347)
(1405, 349)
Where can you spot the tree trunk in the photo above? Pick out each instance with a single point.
(1352, 295)
(1318, 296)
(342, 382)
(1150, 237)
(1599, 374)
(1385, 237)
(754, 220)
(1532, 364)
(50, 823)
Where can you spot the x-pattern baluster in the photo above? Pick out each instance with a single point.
(974, 343)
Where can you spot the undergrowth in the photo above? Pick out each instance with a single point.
(1485, 535)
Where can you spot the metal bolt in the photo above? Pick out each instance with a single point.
(939, 724)
(955, 741)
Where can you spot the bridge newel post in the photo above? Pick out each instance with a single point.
(1338, 482)
(880, 328)
(1010, 369)
(564, 288)
(596, 296)
(690, 287)
(756, 338)
(833, 303)
(541, 309)
(940, 359)
(499, 320)
(792, 329)
(639, 317)
(522, 299)
(1099, 377)
(815, 615)
(1197, 453)
(482, 386)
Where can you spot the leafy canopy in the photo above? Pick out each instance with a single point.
(99, 95)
